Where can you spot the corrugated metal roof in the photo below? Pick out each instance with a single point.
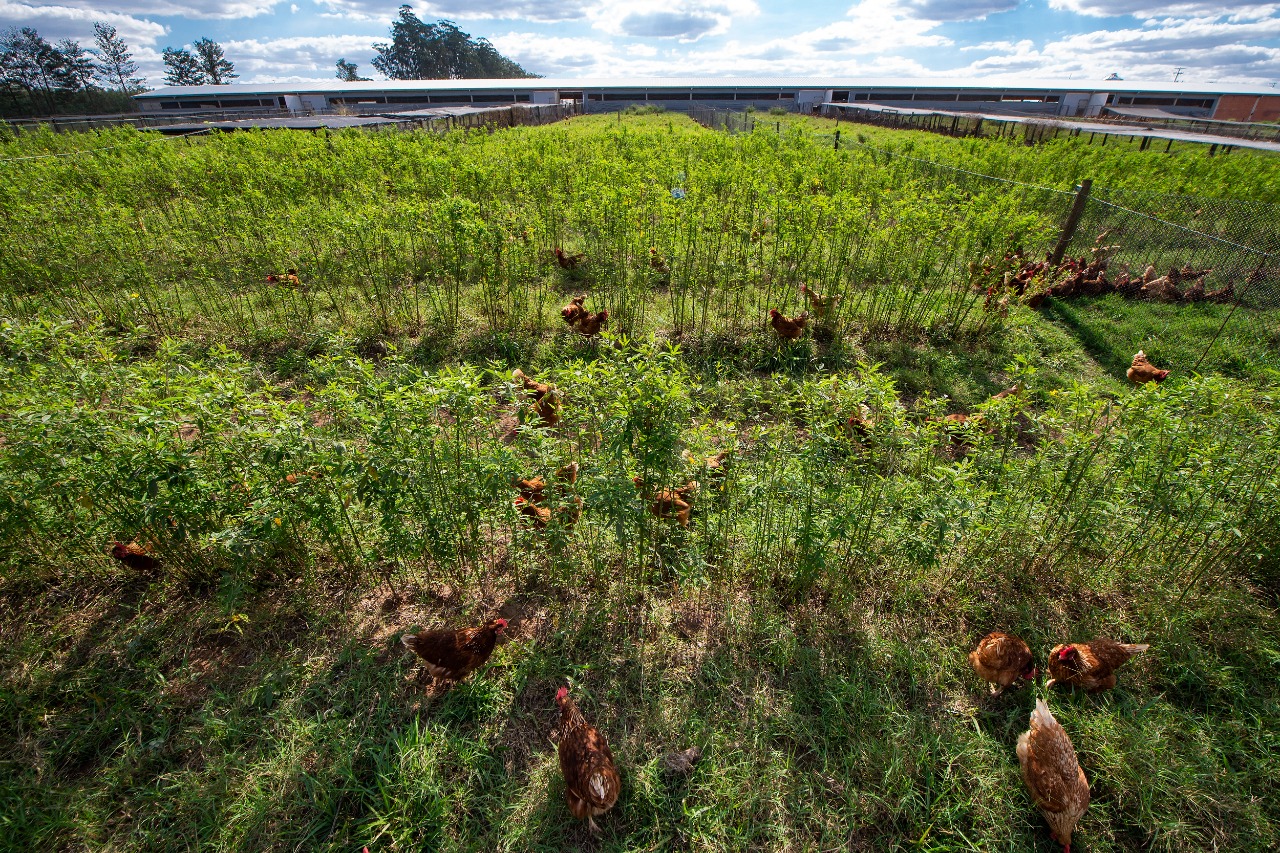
(336, 87)
(316, 123)
(1084, 125)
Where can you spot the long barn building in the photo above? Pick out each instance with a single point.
(1070, 98)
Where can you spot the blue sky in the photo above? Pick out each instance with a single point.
(292, 40)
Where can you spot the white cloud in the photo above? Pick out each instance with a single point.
(1153, 8)
(536, 11)
(588, 57)
(685, 20)
(873, 26)
(206, 9)
(298, 58)
(1209, 50)
(58, 22)
(958, 10)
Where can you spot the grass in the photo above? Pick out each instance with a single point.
(297, 456)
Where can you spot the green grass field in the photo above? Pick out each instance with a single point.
(326, 467)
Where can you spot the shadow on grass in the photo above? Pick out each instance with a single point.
(1100, 348)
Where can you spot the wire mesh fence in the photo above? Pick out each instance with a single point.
(1205, 256)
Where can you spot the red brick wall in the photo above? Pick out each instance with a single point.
(1240, 107)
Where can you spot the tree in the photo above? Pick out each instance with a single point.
(31, 64)
(73, 69)
(349, 72)
(439, 51)
(115, 67)
(182, 68)
(217, 68)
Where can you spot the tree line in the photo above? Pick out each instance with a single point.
(38, 77)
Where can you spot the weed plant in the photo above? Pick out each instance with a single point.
(323, 467)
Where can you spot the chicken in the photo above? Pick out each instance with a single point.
(530, 489)
(540, 515)
(1053, 775)
(1002, 659)
(134, 556)
(573, 311)
(453, 655)
(669, 503)
(682, 762)
(537, 389)
(570, 509)
(567, 261)
(590, 778)
(657, 262)
(788, 328)
(290, 277)
(860, 425)
(714, 463)
(591, 324)
(531, 498)
(1090, 665)
(1011, 391)
(819, 304)
(1144, 371)
(546, 397)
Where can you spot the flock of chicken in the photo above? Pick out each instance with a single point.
(1048, 759)
(591, 778)
(1050, 768)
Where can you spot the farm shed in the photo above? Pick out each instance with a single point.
(1046, 98)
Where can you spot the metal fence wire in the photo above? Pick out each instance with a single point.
(1209, 255)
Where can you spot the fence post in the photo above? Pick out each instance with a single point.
(837, 140)
(1073, 219)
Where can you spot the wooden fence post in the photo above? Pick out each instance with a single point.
(1073, 219)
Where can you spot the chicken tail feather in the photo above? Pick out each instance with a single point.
(1042, 716)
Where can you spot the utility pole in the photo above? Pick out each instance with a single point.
(1177, 72)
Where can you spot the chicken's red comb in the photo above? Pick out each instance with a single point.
(502, 623)
(562, 694)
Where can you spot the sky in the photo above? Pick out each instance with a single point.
(296, 40)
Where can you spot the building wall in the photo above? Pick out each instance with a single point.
(1248, 108)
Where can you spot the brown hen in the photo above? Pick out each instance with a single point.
(591, 324)
(818, 303)
(1144, 371)
(290, 277)
(788, 328)
(1002, 659)
(134, 556)
(546, 398)
(567, 261)
(453, 655)
(1053, 774)
(531, 498)
(669, 503)
(539, 515)
(1090, 665)
(573, 311)
(590, 777)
